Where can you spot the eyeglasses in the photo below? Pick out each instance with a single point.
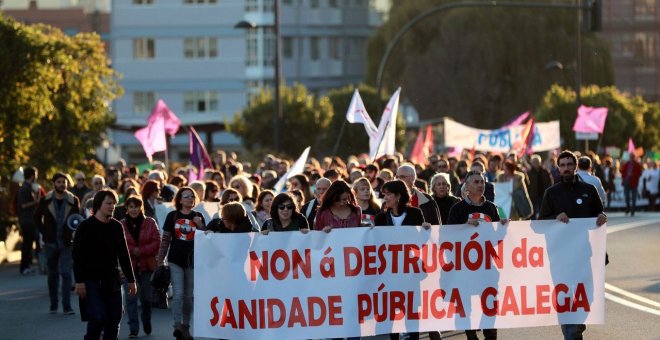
(285, 207)
(187, 196)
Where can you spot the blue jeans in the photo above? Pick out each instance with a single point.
(630, 193)
(182, 287)
(144, 294)
(573, 332)
(59, 264)
(104, 310)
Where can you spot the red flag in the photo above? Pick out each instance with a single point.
(527, 137)
(423, 146)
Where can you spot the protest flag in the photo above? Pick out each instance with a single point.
(590, 119)
(152, 137)
(297, 168)
(383, 143)
(199, 158)
(518, 120)
(357, 113)
(172, 122)
(423, 146)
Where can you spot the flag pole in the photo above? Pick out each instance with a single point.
(341, 133)
(167, 154)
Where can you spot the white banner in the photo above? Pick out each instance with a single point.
(546, 137)
(363, 281)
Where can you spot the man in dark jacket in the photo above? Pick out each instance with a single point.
(50, 218)
(539, 180)
(418, 199)
(26, 203)
(571, 198)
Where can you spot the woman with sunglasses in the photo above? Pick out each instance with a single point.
(285, 215)
(338, 209)
(178, 244)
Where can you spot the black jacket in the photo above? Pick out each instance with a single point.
(463, 210)
(298, 222)
(577, 200)
(414, 216)
(428, 207)
(45, 220)
(218, 226)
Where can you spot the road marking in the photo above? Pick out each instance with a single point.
(631, 304)
(625, 293)
(630, 295)
(629, 225)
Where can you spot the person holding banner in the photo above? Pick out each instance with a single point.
(234, 220)
(285, 216)
(571, 198)
(177, 245)
(399, 212)
(310, 208)
(264, 203)
(367, 201)
(474, 209)
(441, 189)
(419, 199)
(338, 209)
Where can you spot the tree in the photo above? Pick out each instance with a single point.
(354, 139)
(54, 96)
(627, 117)
(305, 120)
(482, 66)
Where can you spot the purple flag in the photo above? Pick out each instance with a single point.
(199, 158)
(590, 119)
(172, 122)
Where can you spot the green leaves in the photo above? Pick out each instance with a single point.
(54, 91)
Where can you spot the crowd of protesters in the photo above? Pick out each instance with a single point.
(330, 193)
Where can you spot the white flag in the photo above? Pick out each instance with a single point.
(357, 113)
(297, 168)
(383, 143)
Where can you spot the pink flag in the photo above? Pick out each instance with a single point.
(152, 137)
(423, 146)
(590, 119)
(631, 146)
(518, 120)
(172, 122)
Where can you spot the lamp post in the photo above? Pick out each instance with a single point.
(277, 113)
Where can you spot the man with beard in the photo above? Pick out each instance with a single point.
(571, 198)
(50, 218)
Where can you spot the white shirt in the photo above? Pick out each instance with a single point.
(595, 181)
(398, 220)
(652, 176)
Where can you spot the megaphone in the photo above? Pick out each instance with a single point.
(74, 221)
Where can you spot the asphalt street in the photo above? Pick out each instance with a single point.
(632, 295)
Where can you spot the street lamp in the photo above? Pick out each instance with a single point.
(277, 113)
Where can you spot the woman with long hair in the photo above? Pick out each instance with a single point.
(178, 243)
(149, 193)
(143, 241)
(211, 192)
(285, 215)
(300, 182)
(442, 194)
(367, 201)
(234, 220)
(338, 209)
(264, 203)
(397, 211)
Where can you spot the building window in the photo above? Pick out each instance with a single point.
(143, 102)
(269, 47)
(252, 6)
(333, 48)
(143, 2)
(268, 6)
(200, 48)
(333, 3)
(645, 8)
(144, 48)
(200, 102)
(314, 48)
(192, 2)
(252, 48)
(287, 48)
